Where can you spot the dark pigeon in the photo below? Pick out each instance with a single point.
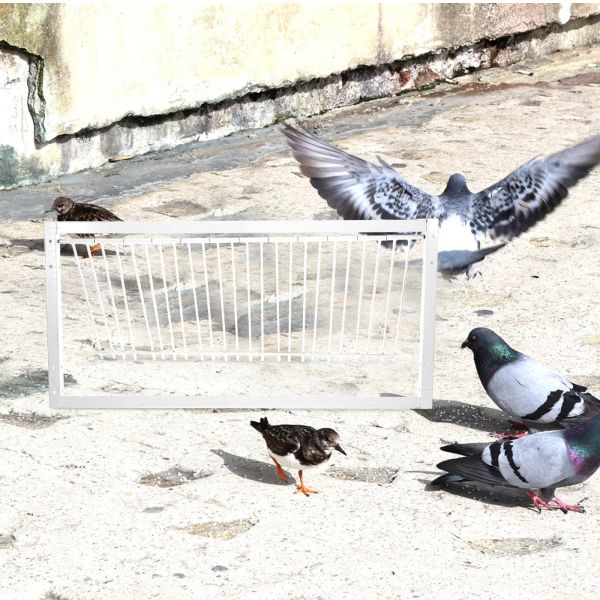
(358, 189)
(539, 463)
(298, 447)
(527, 390)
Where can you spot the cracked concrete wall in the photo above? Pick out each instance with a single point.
(100, 81)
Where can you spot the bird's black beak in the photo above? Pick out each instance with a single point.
(51, 209)
(465, 344)
(340, 449)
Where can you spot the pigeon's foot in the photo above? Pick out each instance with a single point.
(538, 502)
(473, 271)
(560, 505)
(302, 488)
(518, 426)
(280, 471)
(509, 436)
(521, 427)
(554, 504)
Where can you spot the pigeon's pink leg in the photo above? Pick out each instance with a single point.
(518, 426)
(512, 436)
(556, 503)
(537, 501)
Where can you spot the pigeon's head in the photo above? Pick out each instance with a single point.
(481, 338)
(330, 439)
(61, 205)
(456, 186)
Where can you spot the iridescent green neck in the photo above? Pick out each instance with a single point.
(490, 359)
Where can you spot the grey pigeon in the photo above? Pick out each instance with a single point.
(358, 189)
(527, 390)
(298, 447)
(539, 463)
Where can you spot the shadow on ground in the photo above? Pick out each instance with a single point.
(467, 415)
(248, 468)
(508, 497)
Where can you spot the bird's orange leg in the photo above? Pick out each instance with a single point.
(302, 488)
(280, 471)
(95, 249)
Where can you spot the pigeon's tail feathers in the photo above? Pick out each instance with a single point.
(591, 401)
(445, 479)
(456, 261)
(592, 408)
(260, 426)
(464, 449)
(483, 252)
(472, 468)
(578, 388)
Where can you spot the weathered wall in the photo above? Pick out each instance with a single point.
(73, 76)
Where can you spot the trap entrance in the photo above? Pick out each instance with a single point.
(327, 314)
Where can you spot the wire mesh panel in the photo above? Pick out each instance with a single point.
(326, 313)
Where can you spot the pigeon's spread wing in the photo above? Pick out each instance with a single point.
(511, 206)
(356, 188)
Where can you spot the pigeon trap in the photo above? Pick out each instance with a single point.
(245, 314)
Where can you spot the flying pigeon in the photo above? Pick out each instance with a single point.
(539, 463)
(298, 447)
(358, 189)
(527, 390)
(69, 210)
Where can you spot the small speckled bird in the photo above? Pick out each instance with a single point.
(69, 210)
(358, 189)
(298, 447)
(539, 463)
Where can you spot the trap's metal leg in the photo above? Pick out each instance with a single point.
(54, 314)
(427, 345)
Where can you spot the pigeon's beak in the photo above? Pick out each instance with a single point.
(465, 344)
(340, 449)
(51, 209)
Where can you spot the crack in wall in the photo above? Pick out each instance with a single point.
(36, 102)
(35, 97)
(412, 73)
(255, 107)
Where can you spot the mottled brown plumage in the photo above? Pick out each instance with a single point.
(69, 210)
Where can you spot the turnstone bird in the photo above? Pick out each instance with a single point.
(69, 210)
(538, 463)
(358, 189)
(527, 390)
(298, 447)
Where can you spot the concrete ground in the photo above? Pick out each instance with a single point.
(184, 503)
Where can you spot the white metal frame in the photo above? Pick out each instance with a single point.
(55, 234)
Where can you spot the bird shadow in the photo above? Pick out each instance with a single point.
(463, 414)
(248, 468)
(497, 496)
